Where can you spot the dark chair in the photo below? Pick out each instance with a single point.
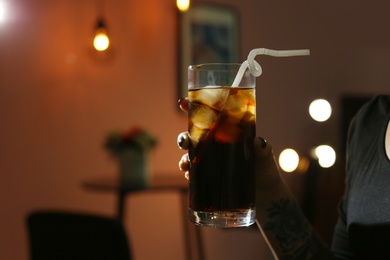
(75, 236)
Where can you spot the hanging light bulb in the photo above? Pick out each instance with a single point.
(183, 5)
(101, 42)
(2, 12)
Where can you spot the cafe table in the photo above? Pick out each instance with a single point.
(158, 183)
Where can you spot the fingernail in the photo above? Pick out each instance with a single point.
(263, 142)
(180, 100)
(181, 140)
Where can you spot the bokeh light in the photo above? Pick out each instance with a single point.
(326, 155)
(2, 12)
(183, 5)
(320, 110)
(288, 160)
(101, 41)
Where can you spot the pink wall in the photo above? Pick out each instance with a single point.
(58, 102)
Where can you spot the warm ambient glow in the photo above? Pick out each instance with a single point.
(326, 155)
(288, 160)
(183, 5)
(320, 110)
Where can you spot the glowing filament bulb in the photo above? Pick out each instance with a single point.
(101, 42)
(2, 12)
(183, 5)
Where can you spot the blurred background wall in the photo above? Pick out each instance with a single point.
(58, 100)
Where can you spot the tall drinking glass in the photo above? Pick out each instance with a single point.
(221, 127)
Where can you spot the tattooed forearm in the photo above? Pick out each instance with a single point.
(292, 231)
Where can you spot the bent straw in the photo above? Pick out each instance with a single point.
(255, 68)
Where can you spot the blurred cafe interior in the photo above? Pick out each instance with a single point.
(64, 101)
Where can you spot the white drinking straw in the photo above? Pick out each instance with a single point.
(255, 68)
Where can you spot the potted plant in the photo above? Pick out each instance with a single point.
(132, 149)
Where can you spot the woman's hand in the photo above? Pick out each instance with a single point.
(272, 194)
(184, 163)
(267, 173)
(182, 142)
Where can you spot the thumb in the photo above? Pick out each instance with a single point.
(267, 172)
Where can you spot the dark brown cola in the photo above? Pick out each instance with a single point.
(221, 130)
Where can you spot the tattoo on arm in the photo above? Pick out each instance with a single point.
(292, 231)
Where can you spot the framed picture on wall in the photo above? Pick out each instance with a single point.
(208, 34)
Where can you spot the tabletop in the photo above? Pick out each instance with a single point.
(158, 182)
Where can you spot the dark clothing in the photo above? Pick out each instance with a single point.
(363, 229)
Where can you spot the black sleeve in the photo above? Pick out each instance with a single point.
(341, 246)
